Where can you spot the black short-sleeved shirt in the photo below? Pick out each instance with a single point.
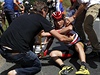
(23, 29)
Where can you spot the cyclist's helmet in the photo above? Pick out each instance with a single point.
(57, 15)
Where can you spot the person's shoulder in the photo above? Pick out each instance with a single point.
(32, 13)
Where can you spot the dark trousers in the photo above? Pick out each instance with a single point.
(29, 61)
(9, 15)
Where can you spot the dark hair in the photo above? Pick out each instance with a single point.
(38, 6)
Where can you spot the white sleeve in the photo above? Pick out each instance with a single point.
(57, 5)
(83, 1)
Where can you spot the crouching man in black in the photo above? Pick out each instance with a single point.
(15, 41)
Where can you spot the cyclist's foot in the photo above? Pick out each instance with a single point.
(82, 71)
(65, 70)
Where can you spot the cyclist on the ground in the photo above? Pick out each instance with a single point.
(76, 44)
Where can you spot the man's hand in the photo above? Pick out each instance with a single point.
(69, 38)
(69, 20)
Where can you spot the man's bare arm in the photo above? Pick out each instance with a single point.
(61, 37)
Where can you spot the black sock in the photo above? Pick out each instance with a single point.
(84, 64)
(62, 65)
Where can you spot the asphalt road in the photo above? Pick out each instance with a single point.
(50, 68)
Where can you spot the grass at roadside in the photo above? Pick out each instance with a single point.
(4, 26)
(66, 3)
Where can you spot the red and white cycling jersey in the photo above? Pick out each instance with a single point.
(70, 33)
(76, 38)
